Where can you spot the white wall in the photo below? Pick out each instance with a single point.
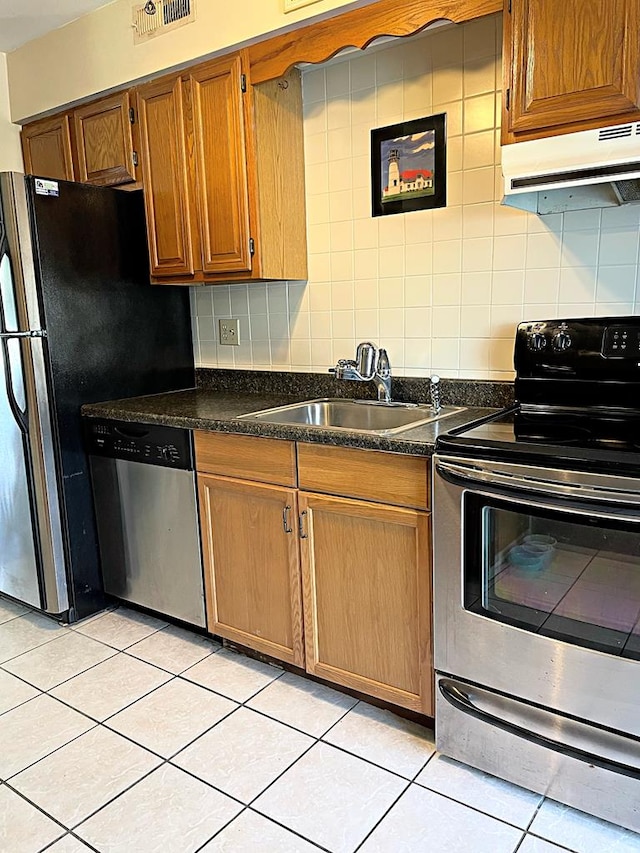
(443, 290)
(10, 153)
(96, 52)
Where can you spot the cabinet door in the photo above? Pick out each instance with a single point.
(221, 165)
(104, 143)
(252, 565)
(367, 598)
(571, 61)
(46, 148)
(164, 168)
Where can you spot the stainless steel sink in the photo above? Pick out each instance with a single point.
(353, 415)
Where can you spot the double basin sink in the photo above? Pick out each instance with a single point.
(367, 416)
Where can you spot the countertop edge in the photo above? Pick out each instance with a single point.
(162, 409)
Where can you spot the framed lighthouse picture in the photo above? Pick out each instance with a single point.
(409, 166)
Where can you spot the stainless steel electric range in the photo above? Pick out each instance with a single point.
(537, 573)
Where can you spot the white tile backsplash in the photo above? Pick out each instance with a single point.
(442, 290)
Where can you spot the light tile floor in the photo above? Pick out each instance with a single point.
(126, 735)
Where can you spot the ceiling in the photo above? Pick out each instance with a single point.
(23, 20)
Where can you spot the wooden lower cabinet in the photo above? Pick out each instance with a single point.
(252, 565)
(367, 598)
(338, 585)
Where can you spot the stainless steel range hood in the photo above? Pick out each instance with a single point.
(575, 171)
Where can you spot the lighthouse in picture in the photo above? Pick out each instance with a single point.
(416, 181)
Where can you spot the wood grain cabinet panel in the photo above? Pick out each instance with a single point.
(570, 65)
(166, 187)
(46, 148)
(104, 141)
(391, 478)
(227, 163)
(252, 568)
(246, 457)
(367, 598)
(221, 165)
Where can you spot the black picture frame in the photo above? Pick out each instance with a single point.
(421, 144)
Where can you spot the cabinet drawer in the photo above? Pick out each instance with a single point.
(389, 478)
(265, 460)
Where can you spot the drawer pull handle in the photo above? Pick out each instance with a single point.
(303, 535)
(286, 523)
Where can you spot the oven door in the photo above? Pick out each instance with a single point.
(537, 586)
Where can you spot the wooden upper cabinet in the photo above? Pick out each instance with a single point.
(46, 148)
(223, 168)
(104, 141)
(166, 187)
(218, 128)
(570, 65)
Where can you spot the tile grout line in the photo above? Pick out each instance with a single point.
(70, 834)
(469, 806)
(40, 809)
(75, 631)
(378, 822)
(163, 761)
(316, 740)
(117, 651)
(549, 841)
(246, 806)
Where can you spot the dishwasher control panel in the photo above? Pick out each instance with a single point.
(151, 444)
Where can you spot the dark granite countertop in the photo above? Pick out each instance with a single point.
(203, 408)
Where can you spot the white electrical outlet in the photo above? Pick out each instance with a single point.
(228, 333)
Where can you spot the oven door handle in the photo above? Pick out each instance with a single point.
(462, 702)
(464, 474)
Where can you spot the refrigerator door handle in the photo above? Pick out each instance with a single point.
(45, 475)
(34, 333)
(19, 415)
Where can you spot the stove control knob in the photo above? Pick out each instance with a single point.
(537, 341)
(562, 341)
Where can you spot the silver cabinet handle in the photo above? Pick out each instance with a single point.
(303, 535)
(286, 522)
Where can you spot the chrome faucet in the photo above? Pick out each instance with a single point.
(365, 369)
(382, 377)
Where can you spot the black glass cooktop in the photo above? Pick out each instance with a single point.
(578, 391)
(607, 442)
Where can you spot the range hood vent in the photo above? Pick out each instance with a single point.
(627, 191)
(592, 168)
(616, 132)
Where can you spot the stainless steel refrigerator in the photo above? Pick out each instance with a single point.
(79, 323)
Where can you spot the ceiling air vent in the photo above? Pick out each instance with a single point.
(617, 132)
(157, 17)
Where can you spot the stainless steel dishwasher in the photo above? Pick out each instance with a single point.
(144, 489)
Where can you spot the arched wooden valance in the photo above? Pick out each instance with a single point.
(320, 41)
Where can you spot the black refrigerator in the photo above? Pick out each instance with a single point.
(79, 323)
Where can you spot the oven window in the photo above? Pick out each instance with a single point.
(569, 576)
